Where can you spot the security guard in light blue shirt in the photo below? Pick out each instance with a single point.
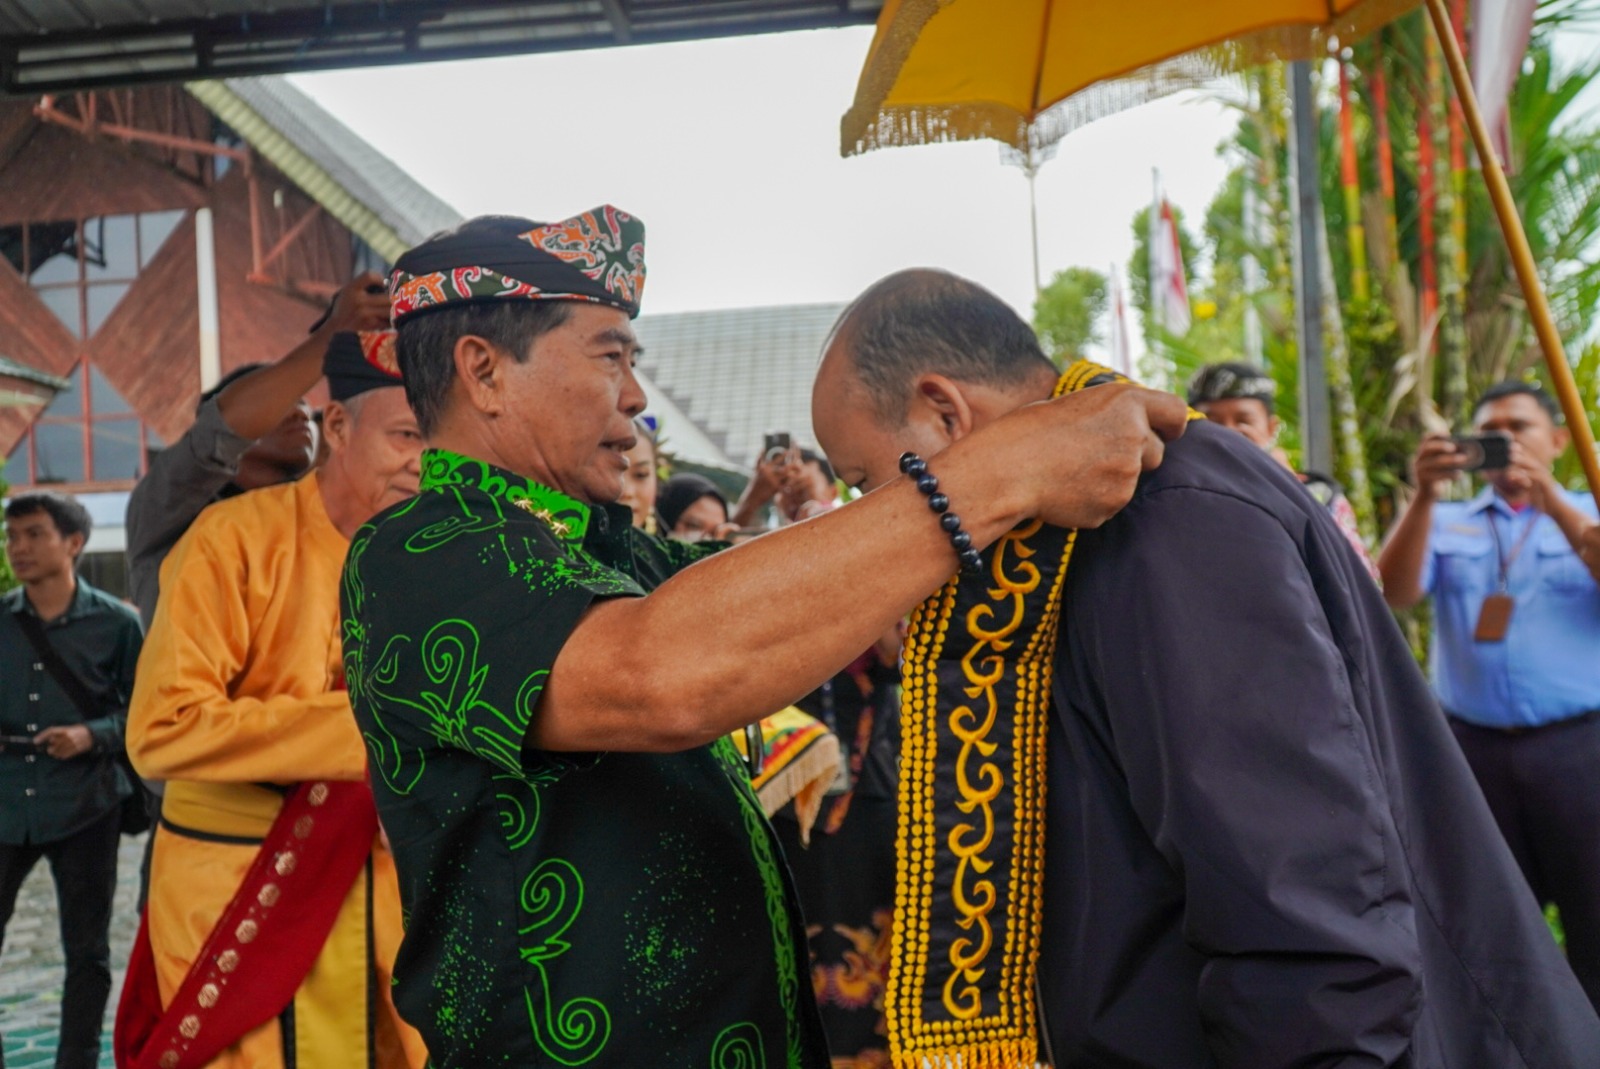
(1547, 668)
(1516, 647)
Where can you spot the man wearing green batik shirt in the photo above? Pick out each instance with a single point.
(587, 876)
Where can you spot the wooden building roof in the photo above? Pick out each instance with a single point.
(354, 182)
(60, 45)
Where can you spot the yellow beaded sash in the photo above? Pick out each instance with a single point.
(970, 846)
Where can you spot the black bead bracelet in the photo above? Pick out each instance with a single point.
(916, 468)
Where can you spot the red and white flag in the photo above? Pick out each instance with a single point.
(1501, 30)
(1120, 340)
(1169, 292)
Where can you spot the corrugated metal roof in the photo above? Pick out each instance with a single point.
(741, 373)
(354, 182)
(59, 45)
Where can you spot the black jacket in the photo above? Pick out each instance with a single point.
(1265, 849)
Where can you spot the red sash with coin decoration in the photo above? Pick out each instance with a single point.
(265, 942)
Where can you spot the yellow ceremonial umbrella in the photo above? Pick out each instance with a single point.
(1025, 72)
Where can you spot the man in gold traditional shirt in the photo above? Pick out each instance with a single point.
(274, 913)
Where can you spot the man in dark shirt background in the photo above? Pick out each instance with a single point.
(1263, 845)
(61, 787)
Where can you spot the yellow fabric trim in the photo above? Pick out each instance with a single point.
(330, 1008)
(237, 810)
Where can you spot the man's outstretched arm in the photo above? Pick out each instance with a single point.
(749, 631)
(1251, 769)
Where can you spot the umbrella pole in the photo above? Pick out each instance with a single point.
(1505, 209)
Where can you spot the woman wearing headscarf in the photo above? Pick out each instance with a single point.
(692, 509)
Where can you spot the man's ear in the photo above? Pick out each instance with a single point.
(1561, 437)
(336, 424)
(75, 544)
(479, 373)
(940, 401)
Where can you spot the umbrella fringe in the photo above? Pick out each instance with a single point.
(872, 124)
(923, 124)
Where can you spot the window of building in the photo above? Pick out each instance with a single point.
(88, 434)
(81, 270)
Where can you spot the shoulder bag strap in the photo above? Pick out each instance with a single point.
(33, 628)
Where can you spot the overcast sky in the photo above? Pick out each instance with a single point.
(729, 151)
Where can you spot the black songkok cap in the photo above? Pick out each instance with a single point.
(1226, 382)
(356, 363)
(597, 257)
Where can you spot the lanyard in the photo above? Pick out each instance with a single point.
(1516, 550)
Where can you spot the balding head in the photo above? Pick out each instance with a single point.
(919, 360)
(923, 321)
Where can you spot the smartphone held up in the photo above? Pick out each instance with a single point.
(1483, 452)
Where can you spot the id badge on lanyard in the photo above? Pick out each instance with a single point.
(1494, 615)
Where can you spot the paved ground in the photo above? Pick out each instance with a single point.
(31, 967)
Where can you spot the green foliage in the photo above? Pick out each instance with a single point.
(1405, 375)
(8, 581)
(1067, 312)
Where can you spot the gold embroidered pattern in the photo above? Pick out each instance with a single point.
(984, 665)
(970, 838)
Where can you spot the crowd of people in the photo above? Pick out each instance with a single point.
(1026, 716)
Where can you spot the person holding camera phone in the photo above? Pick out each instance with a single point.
(1516, 626)
(67, 657)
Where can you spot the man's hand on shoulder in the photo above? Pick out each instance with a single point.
(1078, 458)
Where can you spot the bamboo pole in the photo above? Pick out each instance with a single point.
(1427, 204)
(1350, 181)
(1380, 120)
(1544, 325)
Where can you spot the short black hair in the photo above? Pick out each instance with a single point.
(1515, 388)
(921, 321)
(426, 345)
(65, 511)
(425, 342)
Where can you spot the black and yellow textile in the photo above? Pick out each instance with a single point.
(970, 846)
(597, 256)
(615, 909)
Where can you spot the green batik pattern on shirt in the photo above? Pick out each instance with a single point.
(485, 572)
(451, 705)
(569, 518)
(783, 945)
(738, 1046)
